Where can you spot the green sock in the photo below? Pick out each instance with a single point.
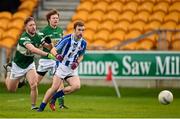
(61, 101)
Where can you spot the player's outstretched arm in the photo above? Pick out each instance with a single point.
(48, 46)
(54, 51)
(35, 50)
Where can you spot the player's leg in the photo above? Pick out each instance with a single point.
(32, 79)
(22, 82)
(7, 79)
(52, 72)
(61, 99)
(71, 77)
(7, 68)
(74, 84)
(64, 72)
(41, 75)
(55, 85)
(13, 74)
(44, 66)
(11, 84)
(73, 81)
(41, 71)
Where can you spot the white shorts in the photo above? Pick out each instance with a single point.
(17, 72)
(64, 71)
(46, 65)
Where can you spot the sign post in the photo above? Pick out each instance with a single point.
(109, 77)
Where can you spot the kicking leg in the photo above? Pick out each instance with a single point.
(55, 85)
(74, 84)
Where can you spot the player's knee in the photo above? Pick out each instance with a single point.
(54, 88)
(77, 87)
(39, 80)
(33, 86)
(11, 89)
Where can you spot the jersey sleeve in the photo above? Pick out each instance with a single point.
(24, 40)
(40, 33)
(61, 44)
(41, 40)
(83, 48)
(61, 33)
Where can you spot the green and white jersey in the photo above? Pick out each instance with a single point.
(23, 57)
(54, 33)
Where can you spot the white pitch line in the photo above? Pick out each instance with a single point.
(20, 99)
(16, 100)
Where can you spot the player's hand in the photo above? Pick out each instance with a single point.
(51, 56)
(47, 40)
(59, 57)
(74, 65)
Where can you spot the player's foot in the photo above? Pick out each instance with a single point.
(61, 103)
(63, 107)
(40, 110)
(22, 83)
(52, 106)
(34, 108)
(7, 68)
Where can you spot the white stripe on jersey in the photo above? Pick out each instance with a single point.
(73, 50)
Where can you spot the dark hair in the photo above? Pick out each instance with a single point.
(28, 20)
(78, 23)
(50, 13)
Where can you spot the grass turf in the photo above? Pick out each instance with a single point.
(92, 102)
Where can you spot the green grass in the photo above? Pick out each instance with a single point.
(93, 102)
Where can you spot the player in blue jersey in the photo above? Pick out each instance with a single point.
(70, 50)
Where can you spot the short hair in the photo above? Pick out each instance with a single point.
(28, 20)
(50, 13)
(78, 23)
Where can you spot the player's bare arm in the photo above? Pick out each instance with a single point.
(47, 43)
(80, 58)
(35, 50)
(54, 51)
(48, 46)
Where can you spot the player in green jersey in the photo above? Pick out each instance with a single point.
(23, 61)
(55, 33)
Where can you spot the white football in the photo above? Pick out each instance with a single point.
(165, 97)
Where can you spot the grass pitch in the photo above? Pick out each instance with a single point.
(92, 102)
